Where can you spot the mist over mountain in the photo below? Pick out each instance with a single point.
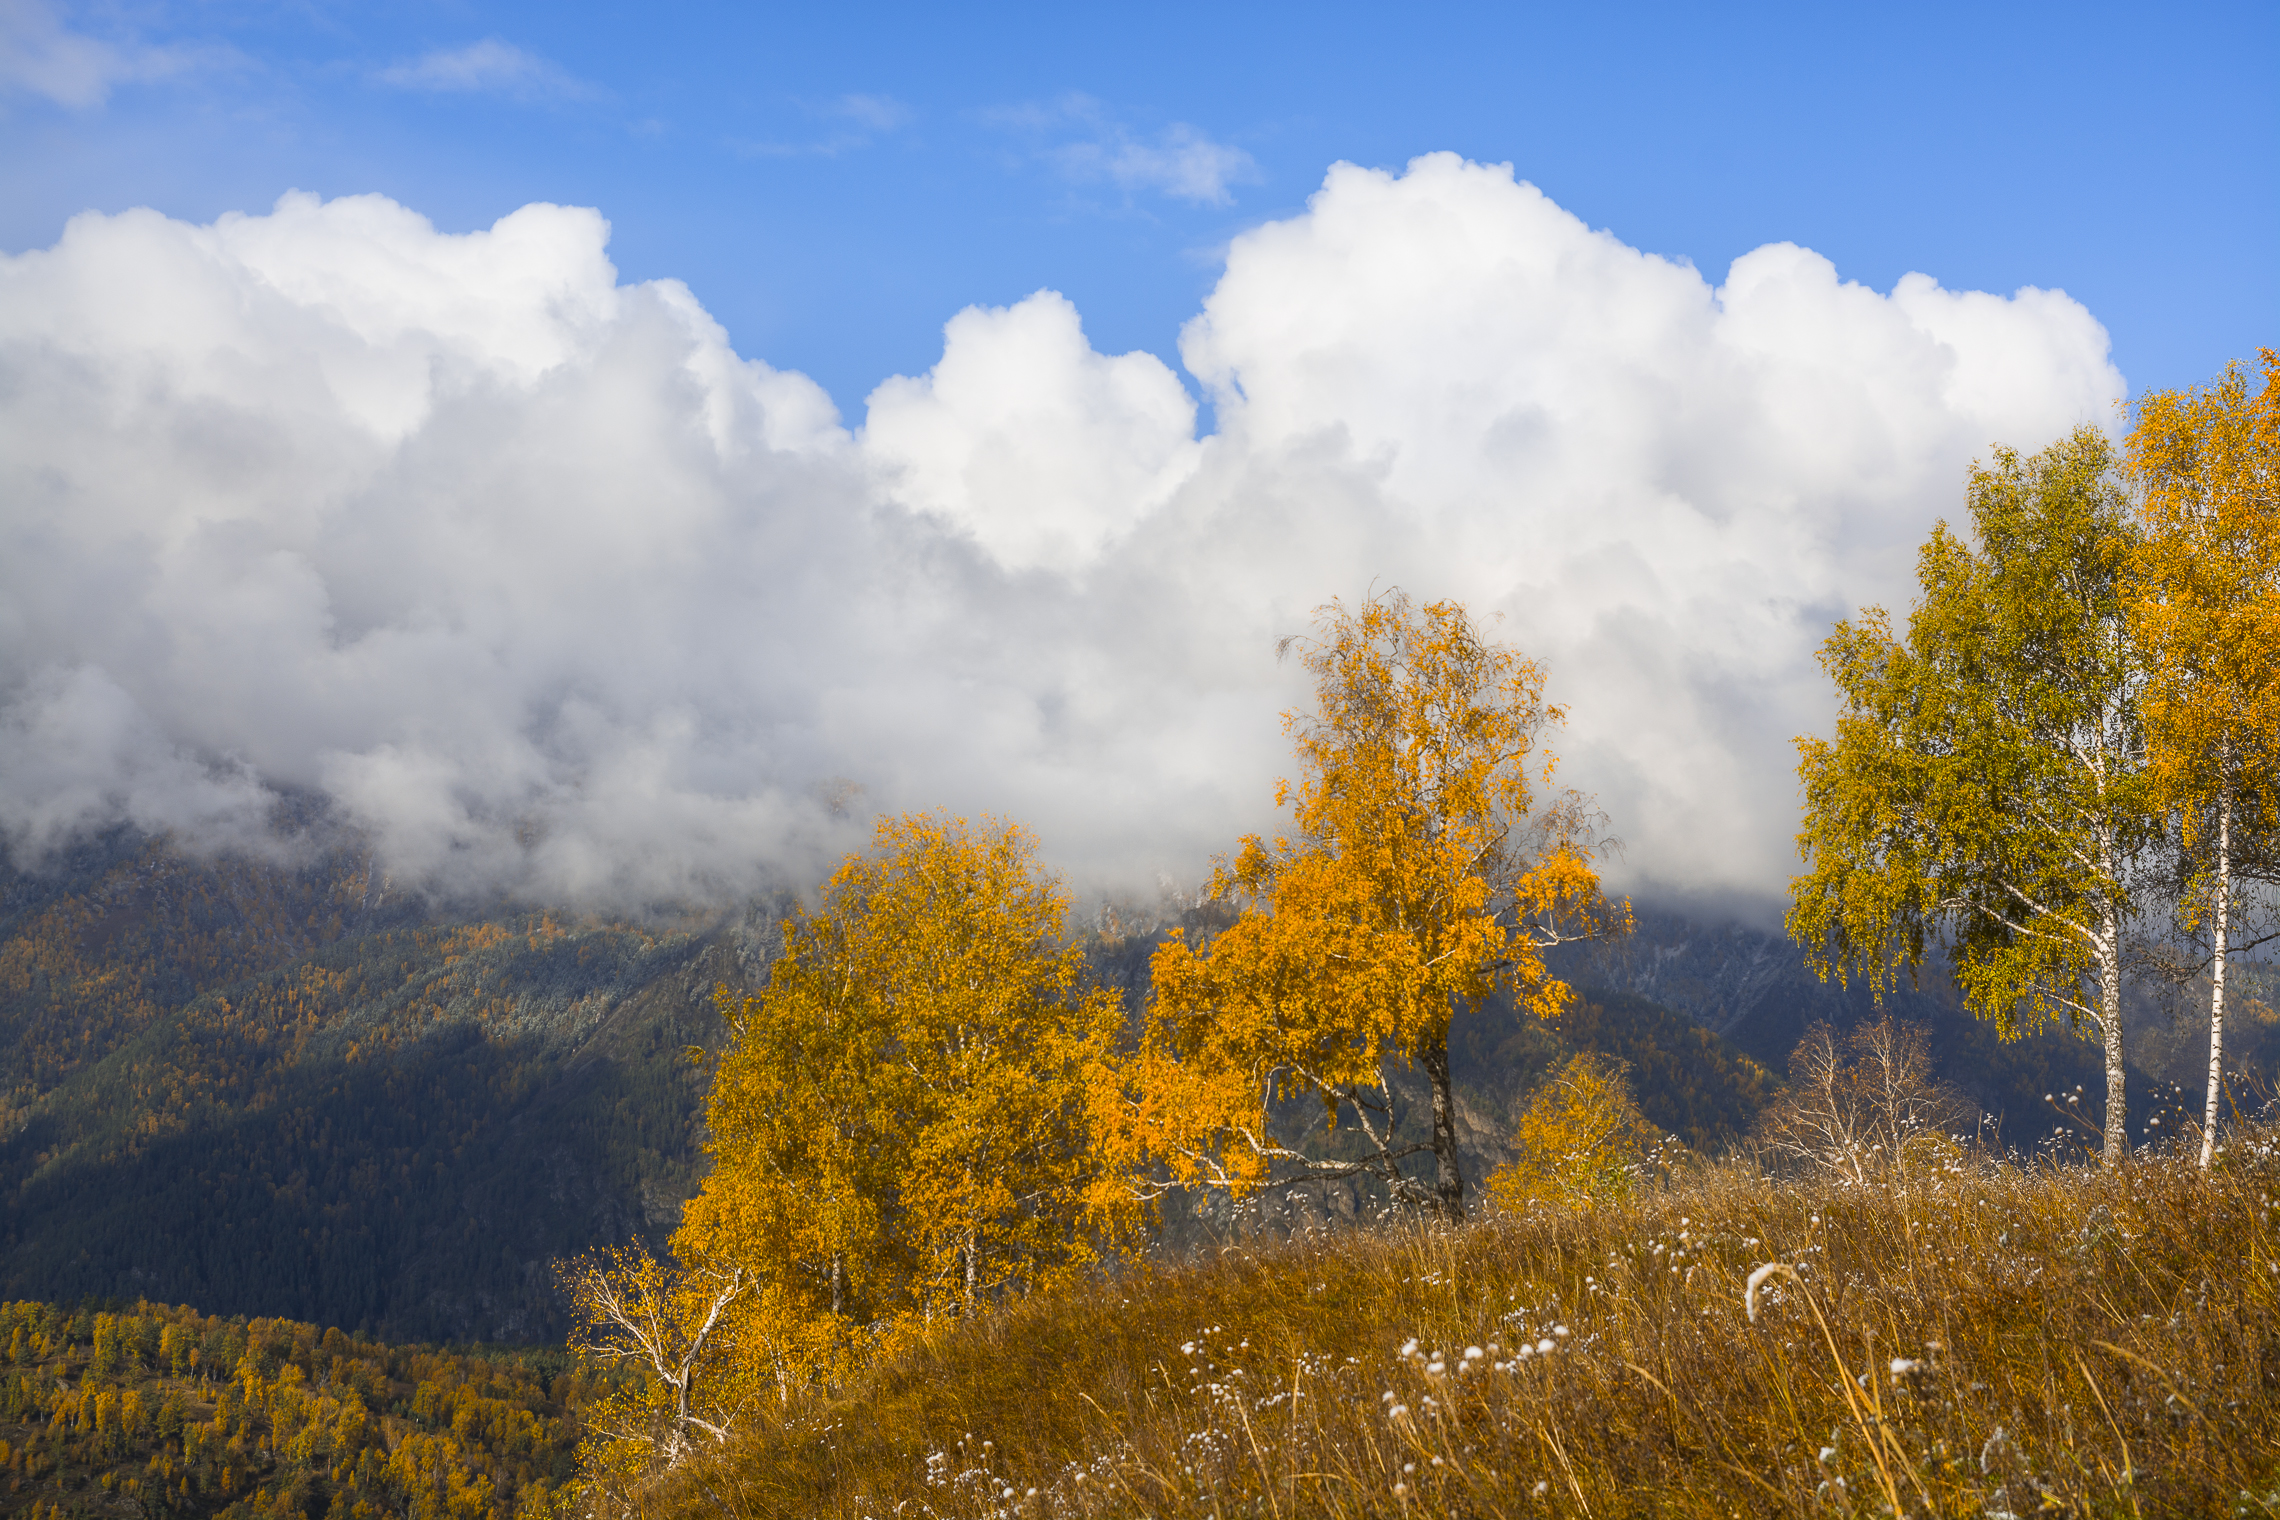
(547, 591)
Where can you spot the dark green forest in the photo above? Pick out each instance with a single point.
(253, 1090)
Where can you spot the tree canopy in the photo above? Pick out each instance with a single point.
(898, 1123)
(1429, 865)
(1986, 785)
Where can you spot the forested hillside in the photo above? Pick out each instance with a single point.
(266, 1091)
(157, 1411)
(1751, 987)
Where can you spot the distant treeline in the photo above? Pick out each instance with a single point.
(154, 1411)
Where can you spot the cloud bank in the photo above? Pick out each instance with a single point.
(539, 582)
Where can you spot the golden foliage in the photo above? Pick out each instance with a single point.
(1423, 873)
(1581, 1140)
(172, 1414)
(2206, 608)
(2206, 603)
(898, 1123)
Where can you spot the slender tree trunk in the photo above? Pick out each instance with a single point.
(2217, 945)
(1449, 1189)
(836, 1281)
(973, 1273)
(2110, 1020)
(680, 1441)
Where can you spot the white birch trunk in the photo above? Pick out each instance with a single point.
(2110, 1028)
(2217, 945)
(973, 1273)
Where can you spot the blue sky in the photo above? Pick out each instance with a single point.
(834, 182)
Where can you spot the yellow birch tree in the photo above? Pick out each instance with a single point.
(898, 1123)
(675, 1328)
(1581, 1140)
(2206, 606)
(1423, 873)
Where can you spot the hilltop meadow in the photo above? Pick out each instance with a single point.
(1968, 1336)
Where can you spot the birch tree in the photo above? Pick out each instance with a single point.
(672, 1327)
(898, 1122)
(1986, 786)
(2206, 603)
(1429, 865)
(1581, 1141)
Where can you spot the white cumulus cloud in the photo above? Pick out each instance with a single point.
(552, 592)
(1043, 449)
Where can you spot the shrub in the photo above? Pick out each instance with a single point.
(1581, 1140)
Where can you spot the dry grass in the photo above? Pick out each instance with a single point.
(1983, 1340)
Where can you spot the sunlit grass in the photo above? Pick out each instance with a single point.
(1980, 1339)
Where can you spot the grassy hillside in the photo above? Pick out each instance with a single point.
(157, 1412)
(1976, 1339)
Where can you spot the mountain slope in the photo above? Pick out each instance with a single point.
(1751, 988)
(396, 1129)
(277, 1091)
